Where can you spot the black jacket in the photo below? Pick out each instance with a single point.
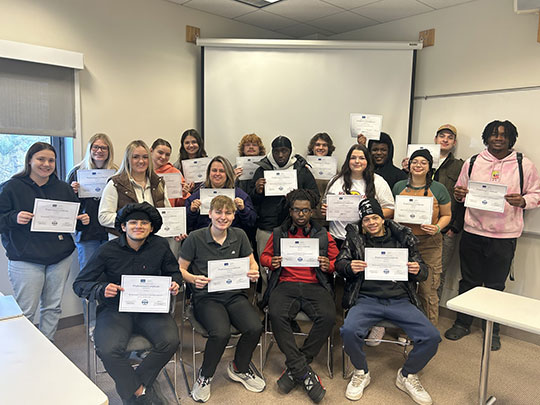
(447, 174)
(354, 249)
(272, 211)
(116, 257)
(387, 170)
(18, 194)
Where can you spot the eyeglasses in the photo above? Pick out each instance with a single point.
(304, 211)
(101, 148)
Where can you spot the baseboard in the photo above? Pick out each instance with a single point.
(70, 321)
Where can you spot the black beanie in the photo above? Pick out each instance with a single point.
(370, 206)
(423, 153)
(281, 141)
(138, 211)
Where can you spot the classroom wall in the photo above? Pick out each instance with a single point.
(481, 45)
(141, 78)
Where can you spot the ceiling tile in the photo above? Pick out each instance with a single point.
(302, 30)
(349, 4)
(390, 10)
(262, 19)
(342, 22)
(443, 3)
(224, 8)
(302, 10)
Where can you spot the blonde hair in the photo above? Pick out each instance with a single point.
(88, 163)
(229, 172)
(125, 166)
(222, 201)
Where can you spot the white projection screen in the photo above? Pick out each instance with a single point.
(299, 92)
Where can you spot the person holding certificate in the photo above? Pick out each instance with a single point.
(489, 238)
(191, 147)
(161, 153)
(374, 300)
(38, 262)
(216, 311)
(294, 288)
(420, 184)
(250, 145)
(220, 175)
(136, 252)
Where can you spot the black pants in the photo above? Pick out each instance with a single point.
(112, 333)
(286, 300)
(484, 262)
(216, 312)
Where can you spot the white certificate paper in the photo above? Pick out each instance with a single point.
(368, 125)
(322, 167)
(299, 252)
(54, 216)
(207, 194)
(280, 182)
(194, 170)
(249, 165)
(413, 210)
(433, 148)
(342, 207)
(92, 182)
(486, 196)
(145, 294)
(173, 181)
(228, 275)
(174, 221)
(387, 264)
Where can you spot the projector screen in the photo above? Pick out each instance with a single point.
(300, 92)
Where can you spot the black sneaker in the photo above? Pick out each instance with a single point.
(286, 381)
(495, 343)
(313, 386)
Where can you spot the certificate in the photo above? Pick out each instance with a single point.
(92, 182)
(486, 196)
(342, 207)
(387, 264)
(194, 170)
(299, 252)
(173, 181)
(368, 125)
(145, 294)
(54, 216)
(249, 165)
(207, 194)
(280, 182)
(413, 210)
(433, 148)
(174, 221)
(322, 167)
(228, 275)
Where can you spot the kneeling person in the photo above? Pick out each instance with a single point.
(371, 301)
(136, 252)
(294, 289)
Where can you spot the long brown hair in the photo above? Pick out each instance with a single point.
(346, 172)
(32, 150)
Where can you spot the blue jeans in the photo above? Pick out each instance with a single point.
(369, 310)
(34, 283)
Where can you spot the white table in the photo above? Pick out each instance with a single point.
(496, 306)
(34, 371)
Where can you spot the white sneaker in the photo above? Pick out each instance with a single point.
(412, 386)
(376, 334)
(201, 388)
(355, 388)
(251, 380)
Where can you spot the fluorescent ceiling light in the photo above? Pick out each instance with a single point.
(258, 3)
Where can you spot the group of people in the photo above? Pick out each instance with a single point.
(116, 235)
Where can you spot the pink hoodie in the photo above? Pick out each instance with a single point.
(487, 168)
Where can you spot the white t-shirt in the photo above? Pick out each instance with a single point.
(383, 195)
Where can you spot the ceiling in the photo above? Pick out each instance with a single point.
(318, 18)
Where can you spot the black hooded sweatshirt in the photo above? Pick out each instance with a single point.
(387, 170)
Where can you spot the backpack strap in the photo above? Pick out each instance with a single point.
(519, 157)
(471, 163)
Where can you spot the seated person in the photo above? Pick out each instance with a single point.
(136, 252)
(371, 301)
(216, 311)
(294, 289)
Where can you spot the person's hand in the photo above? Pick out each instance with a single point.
(112, 290)
(515, 200)
(195, 205)
(460, 193)
(23, 217)
(84, 218)
(200, 281)
(413, 267)
(75, 186)
(358, 265)
(361, 139)
(188, 187)
(253, 275)
(181, 237)
(324, 263)
(259, 185)
(238, 172)
(276, 262)
(405, 164)
(324, 207)
(450, 233)
(174, 288)
(239, 204)
(430, 229)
